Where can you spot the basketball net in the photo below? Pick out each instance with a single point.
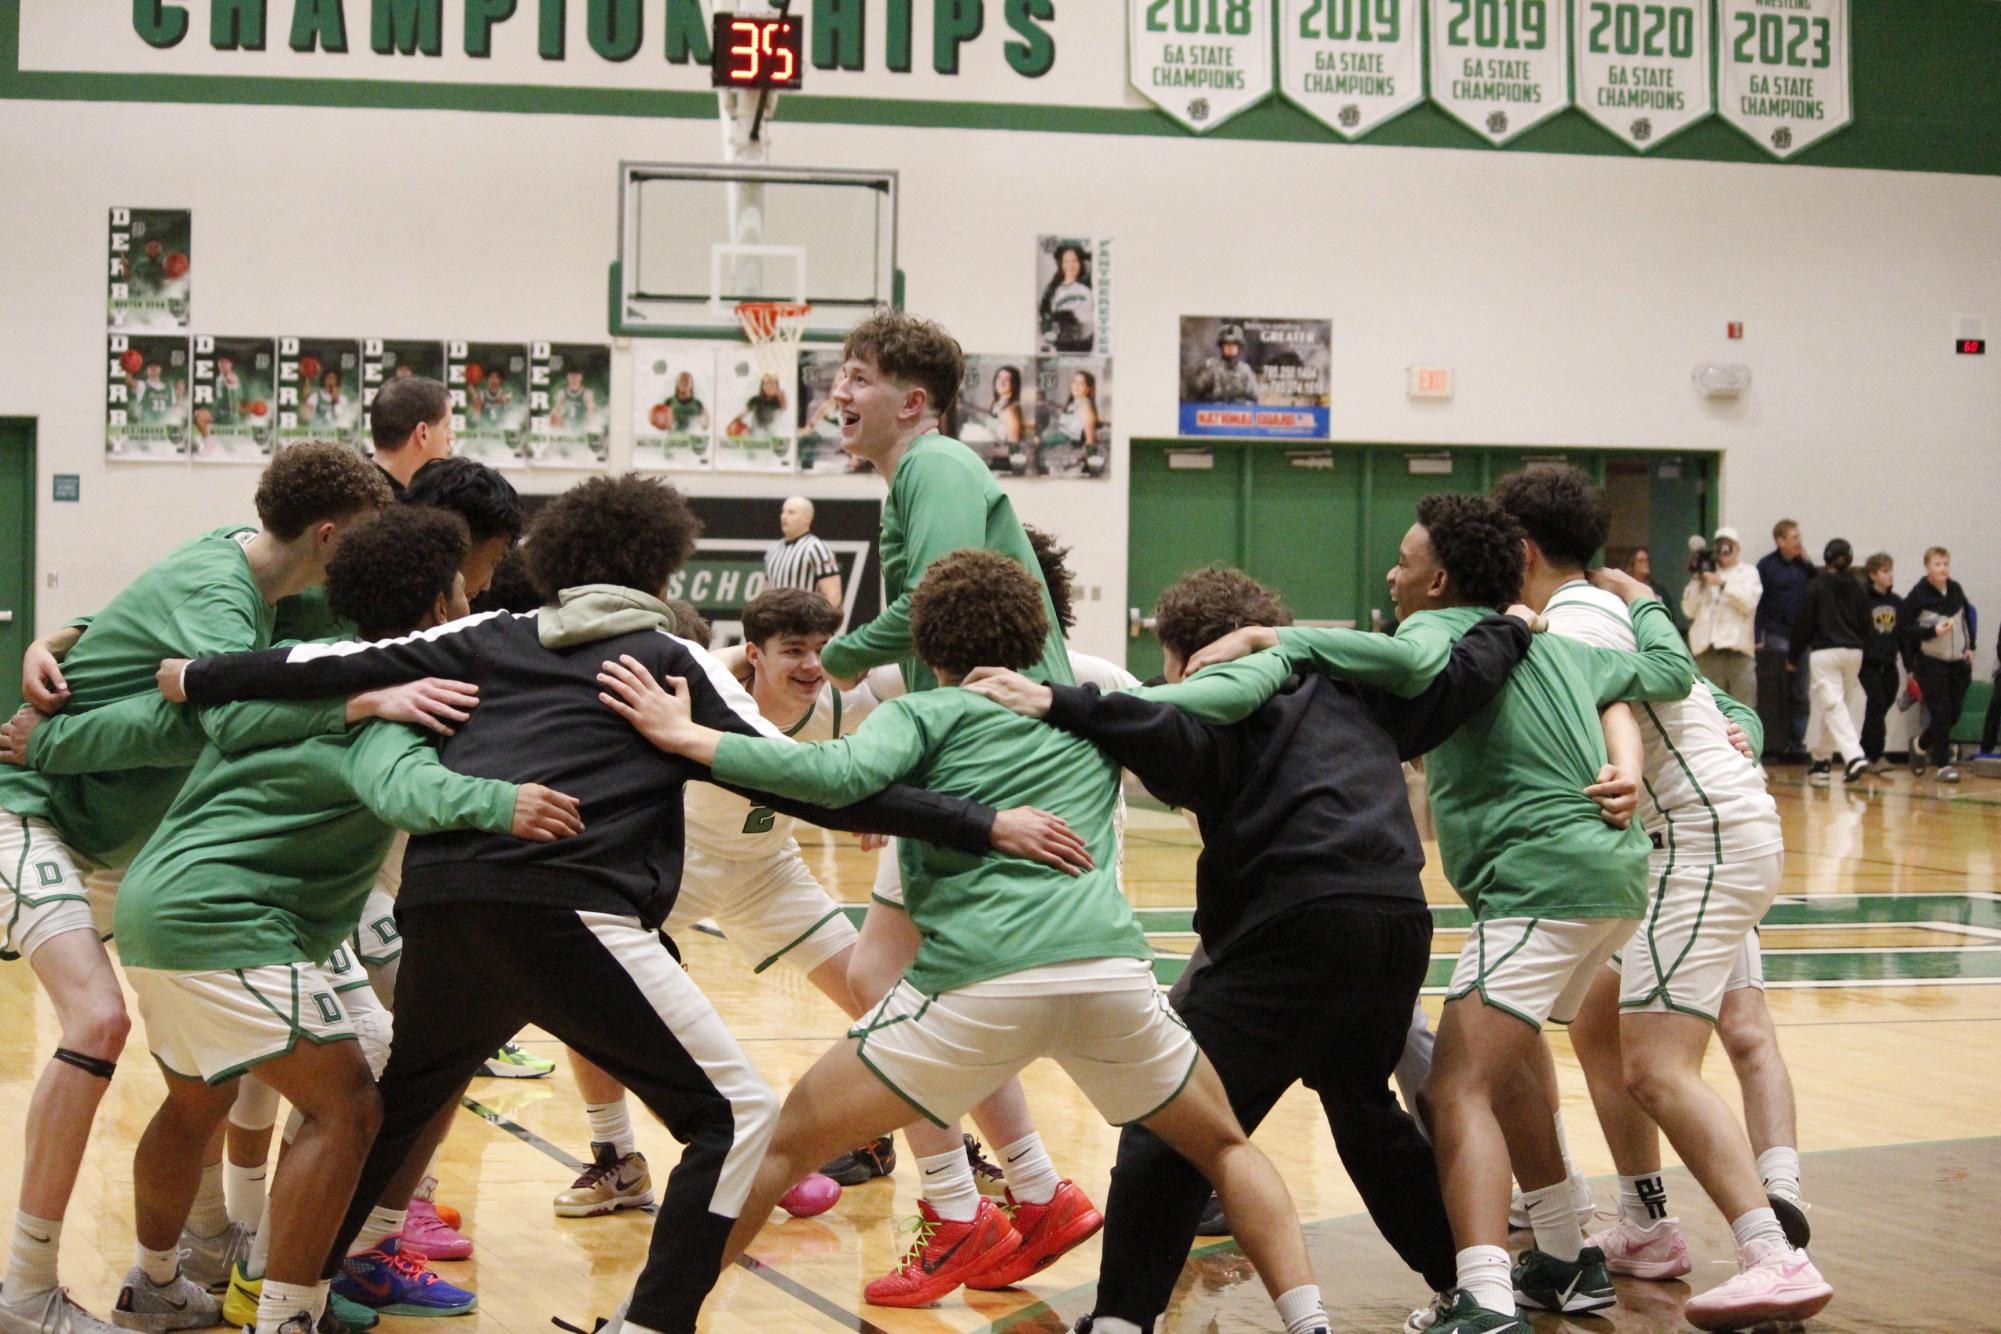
(774, 329)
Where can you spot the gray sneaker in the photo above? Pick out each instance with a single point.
(182, 1304)
(52, 1312)
(207, 1260)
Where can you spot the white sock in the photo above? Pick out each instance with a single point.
(1111, 1324)
(611, 1124)
(1780, 1169)
(1759, 1225)
(31, 1260)
(1030, 1175)
(279, 1302)
(1554, 1218)
(260, 1245)
(1486, 1276)
(1563, 1146)
(947, 1185)
(160, 1266)
(208, 1216)
(382, 1224)
(1643, 1199)
(1301, 1310)
(243, 1191)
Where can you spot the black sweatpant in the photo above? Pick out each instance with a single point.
(473, 974)
(1879, 685)
(1943, 684)
(1782, 702)
(1320, 994)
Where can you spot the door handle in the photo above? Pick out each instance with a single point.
(6, 617)
(1138, 624)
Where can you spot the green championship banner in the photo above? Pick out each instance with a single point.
(1200, 61)
(1351, 64)
(1784, 79)
(1643, 67)
(1500, 67)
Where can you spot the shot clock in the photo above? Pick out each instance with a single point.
(763, 51)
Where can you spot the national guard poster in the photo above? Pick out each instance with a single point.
(1255, 377)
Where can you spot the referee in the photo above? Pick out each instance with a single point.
(799, 559)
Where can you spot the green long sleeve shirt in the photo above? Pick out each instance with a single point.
(267, 856)
(942, 499)
(977, 917)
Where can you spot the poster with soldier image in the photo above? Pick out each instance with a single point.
(995, 414)
(151, 259)
(673, 401)
(319, 389)
(1073, 295)
(569, 405)
(146, 398)
(234, 381)
(756, 413)
(386, 359)
(489, 385)
(1073, 418)
(1255, 377)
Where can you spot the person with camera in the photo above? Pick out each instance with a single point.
(1721, 602)
(1938, 628)
(1783, 574)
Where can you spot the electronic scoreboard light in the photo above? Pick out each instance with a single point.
(1970, 347)
(766, 51)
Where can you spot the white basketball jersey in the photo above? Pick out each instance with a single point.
(1705, 801)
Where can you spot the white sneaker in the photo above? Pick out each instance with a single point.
(208, 1260)
(1581, 1203)
(52, 1312)
(1777, 1283)
(157, 1308)
(1655, 1251)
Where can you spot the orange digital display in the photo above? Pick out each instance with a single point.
(766, 52)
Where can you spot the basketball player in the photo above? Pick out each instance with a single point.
(226, 407)
(573, 407)
(326, 404)
(153, 398)
(688, 413)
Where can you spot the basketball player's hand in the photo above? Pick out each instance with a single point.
(1023, 831)
(1617, 796)
(1010, 690)
(1526, 614)
(432, 702)
(873, 842)
(1742, 740)
(42, 683)
(14, 734)
(1237, 644)
(662, 712)
(1622, 584)
(844, 682)
(168, 678)
(543, 815)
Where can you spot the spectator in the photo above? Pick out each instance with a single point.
(1720, 605)
(1938, 631)
(799, 559)
(1640, 564)
(1782, 576)
(1990, 727)
(1880, 673)
(1827, 639)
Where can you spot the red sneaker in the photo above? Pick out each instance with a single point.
(943, 1255)
(1047, 1230)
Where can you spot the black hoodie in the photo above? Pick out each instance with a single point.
(1833, 614)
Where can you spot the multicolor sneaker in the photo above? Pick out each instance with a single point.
(513, 1062)
(1581, 1204)
(425, 1234)
(239, 1306)
(1466, 1316)
(1427, 1318)
(208, 1260)
(1046, 1231)
(1570, 1286)
(1655, 1251)
(871, 1160)
(393, 1283)
(944, 1255)
(987, 1175)
(427, 1189)
(158, 1307)
(612, 1182)
(51, 1312)
(1792, 1220)
(1775, 1283)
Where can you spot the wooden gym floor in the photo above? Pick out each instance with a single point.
(1885, 960)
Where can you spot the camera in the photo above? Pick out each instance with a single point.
(1701, 560)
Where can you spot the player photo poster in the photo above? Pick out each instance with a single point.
(819, 425)
(489, 384)
(1500, 67)
(995, 416)
(1351, 64)
(151, 259)
(386, 359)
(319, 389)
(1255, 377)
(673, 397)
(146, 398)
(1073, 295)
(569, 405)
(1643, 72)
(1073, 418)
(234, 383)
(1784, 80)
(755, 408)
(1201, 61)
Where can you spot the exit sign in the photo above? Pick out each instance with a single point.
(1970, 347)
(1429, 382)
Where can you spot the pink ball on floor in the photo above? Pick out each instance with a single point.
(813, 1195)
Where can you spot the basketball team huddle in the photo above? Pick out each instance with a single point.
(367, 835)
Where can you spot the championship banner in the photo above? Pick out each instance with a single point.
(386, 359)
(1251, 377)
(489, 387)
(1500, 67)
(569, 405)
(1644, 69)
(319, 389)
(1200, 61)
(1351, 64)
(149, 266)
(146, 398)
(1785, 73)
(234, 383)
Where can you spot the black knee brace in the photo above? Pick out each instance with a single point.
(90, 1065)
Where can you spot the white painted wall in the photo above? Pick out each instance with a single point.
(1572, 295)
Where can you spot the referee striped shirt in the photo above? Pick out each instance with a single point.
(799, 563)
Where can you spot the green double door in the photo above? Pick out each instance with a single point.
(17, 553)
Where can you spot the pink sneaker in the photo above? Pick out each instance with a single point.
(1656, 1251)
(425, 1234)
(1776, 1283)
(815, 1194)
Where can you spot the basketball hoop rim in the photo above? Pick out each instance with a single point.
(773, 329)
